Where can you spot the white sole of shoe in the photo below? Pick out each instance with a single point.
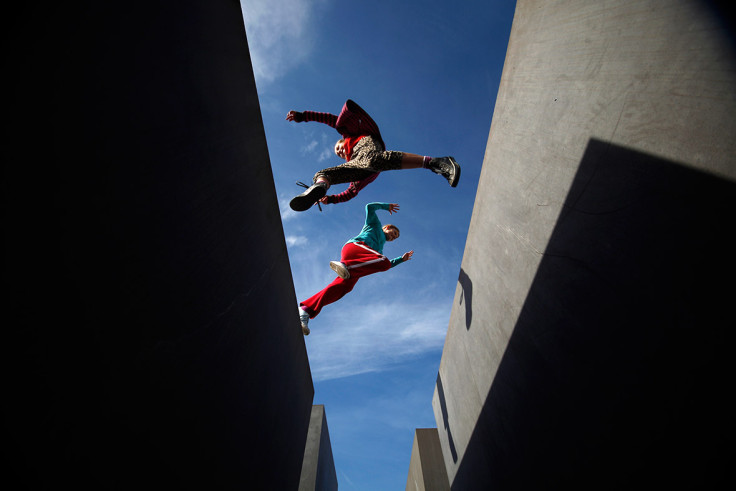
(340, 269)
(456, 176)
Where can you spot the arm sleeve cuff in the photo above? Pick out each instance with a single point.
(396, 261)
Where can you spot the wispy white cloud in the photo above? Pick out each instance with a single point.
(374, 337)
(296, 240)
(395, 405)
(309, 147)
(324, 149)
(286, 212)
(279, 36)
(347, 478)
(310, 266)
(325, 154)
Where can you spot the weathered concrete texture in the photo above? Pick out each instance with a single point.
(318, 468)
(587, 344)
(427, 467)
(151, 325)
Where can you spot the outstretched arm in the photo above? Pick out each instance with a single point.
(371, 220)
(403, 258)
(370, 208)
(299, 117)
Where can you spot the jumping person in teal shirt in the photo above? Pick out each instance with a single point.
(362, 255)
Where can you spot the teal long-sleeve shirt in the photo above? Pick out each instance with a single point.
(372, 233)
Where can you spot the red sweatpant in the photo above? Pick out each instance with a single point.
(360, 261)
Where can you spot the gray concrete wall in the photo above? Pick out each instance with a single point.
(427, 467)
(318, 468)
(587, 341)
(150, 331)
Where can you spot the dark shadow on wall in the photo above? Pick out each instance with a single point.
(617, 374)
(723, 11)
(467, 296)
(445, 417)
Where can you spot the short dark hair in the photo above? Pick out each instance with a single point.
(391, 225)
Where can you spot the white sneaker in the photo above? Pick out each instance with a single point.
(304, 319)
(340, 269)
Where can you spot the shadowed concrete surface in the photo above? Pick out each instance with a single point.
(151, 339)
(318, 469)
(588, 344)
(426, 468)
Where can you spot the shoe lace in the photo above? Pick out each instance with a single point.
(300, 183)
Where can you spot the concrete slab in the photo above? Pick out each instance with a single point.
(587, 331)
(151, 306)
(318, 468)
(427, 467)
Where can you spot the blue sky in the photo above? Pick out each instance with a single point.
(428, 74)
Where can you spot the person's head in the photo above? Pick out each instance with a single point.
(340, 150)
(391, 232)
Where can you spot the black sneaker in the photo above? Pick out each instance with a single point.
(446, 167)
(309, 197)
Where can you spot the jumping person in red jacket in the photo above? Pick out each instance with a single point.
(366, 156)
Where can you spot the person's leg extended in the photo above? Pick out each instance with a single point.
(361, 261)
(447, 167)
(330, 294)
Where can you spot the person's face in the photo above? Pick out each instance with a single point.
(340, 149)
(392, 233)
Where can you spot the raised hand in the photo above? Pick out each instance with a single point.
(295, 116)
(393, 208)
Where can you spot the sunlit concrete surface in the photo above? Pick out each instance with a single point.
(427, 468)
(587, 345)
